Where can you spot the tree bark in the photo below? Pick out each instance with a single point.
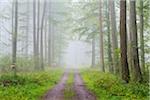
(14, 38)
(134, 42)
(142, 37)
(52, 45)
(130, 54)
(93, 52)
(38, 35)
(35, 54)
(14, 44)
(123, 41)
(111, 68)
(49, 36)
(13, 6)
(101, 38)
(114, 36)
(45, 40)
(41, 40)
(27, 29)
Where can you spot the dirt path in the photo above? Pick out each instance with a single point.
(81, 92)
(57, 92)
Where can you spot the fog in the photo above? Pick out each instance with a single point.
(77, 54)
(63, 33)
(74, 49)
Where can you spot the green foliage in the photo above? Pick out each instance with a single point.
(5, 62)
(146, 8)
(68, 92)
(27, 86)
(108, 87)
(23, 64)
(10, 80)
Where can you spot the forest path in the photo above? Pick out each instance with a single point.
(81, 93)
(57, 92)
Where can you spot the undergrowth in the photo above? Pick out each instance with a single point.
(108, 87)
(28, 86)
(69, 92)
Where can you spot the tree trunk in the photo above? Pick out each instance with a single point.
(41, 40)
(114, 36)
(49, 45)
(35, 54)
(45, 40)
(111, 69)
(52, 44)
(93, 52)
(134, 42)
(130, 54)
(49, 36)
(101, 38)
(60, 50)
(123, 41)
(13, 6)
(27, 30)
(14, 39)
(38, 35)
(142, 37)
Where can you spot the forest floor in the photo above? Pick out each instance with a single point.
(62, 84)
(28, 85)
(70, 87)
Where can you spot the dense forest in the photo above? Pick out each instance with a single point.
(74, 49)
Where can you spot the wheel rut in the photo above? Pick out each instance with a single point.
(78, 87)
(81, 92)
(57, 92)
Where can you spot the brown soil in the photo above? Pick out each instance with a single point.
(57, 92)
(81, 92)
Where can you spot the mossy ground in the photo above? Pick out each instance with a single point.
(107, 86)
(28, 86)
(69, 92)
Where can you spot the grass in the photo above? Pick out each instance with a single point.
(108, 87)
(28, 86)
(69, 93)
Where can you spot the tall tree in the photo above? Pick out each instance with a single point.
(142, 37)
(14, 38)
(114, 36)
(41, 40)
(38, 34)
(101, 37)
(93, 52)
(53, 43)
(111, 68)
(34, 35)
(27, 28)
(46, 39)
(123, 41)
(12, 23)
(134, 42)
(130, 54)
(49, 35)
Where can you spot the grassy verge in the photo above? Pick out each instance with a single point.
(68, 91)
(28, 86)
(108, 87)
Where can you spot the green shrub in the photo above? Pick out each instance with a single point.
(23, 63)
(28, 86)
(108, 87)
